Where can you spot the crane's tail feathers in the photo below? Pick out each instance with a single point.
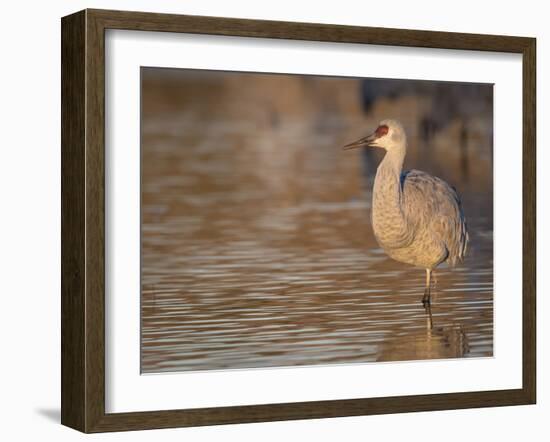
(462, 244)
(459, 246)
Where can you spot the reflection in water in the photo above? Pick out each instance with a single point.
(432, 342)
(257, 249)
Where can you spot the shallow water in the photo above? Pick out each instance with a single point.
(257, 248)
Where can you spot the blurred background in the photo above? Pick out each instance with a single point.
(257, 248)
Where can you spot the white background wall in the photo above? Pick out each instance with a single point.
(30, 217)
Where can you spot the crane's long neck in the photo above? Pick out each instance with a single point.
(388, 220)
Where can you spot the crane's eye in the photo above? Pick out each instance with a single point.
(382, 130)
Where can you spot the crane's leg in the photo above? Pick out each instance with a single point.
(428, 310)
(427, 291)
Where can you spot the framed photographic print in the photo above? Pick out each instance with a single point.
(268, 221)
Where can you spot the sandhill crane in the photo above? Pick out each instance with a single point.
(417, 218)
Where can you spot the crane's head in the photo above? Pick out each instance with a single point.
(388, 135)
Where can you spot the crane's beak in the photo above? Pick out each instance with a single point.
(367, 141)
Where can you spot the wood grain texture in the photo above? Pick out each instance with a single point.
(95, 221)
(144, 21)
(529, 221)
(83, 220)
(73, 129)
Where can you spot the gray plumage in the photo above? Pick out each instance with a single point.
(417, 218)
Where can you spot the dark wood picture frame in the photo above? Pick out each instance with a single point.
(83, 220)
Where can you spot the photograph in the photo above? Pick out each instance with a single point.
(305, 220)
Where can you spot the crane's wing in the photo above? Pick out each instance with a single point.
(430, 203)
